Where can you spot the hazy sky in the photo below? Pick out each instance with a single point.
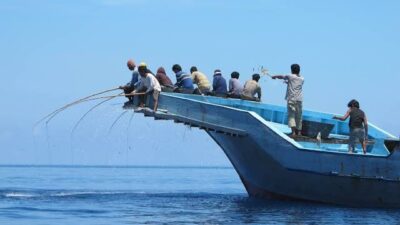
(52, 52)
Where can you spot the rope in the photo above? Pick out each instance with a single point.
(51, 115)
(91, 109)
(71, 104)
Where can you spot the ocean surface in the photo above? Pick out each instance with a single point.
(154, 195)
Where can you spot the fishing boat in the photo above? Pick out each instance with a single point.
(314, 167)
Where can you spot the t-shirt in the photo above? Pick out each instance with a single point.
(150, 82)
(219, 84)
(294, 91)
(251, 88)
(184, 80)
(201, 80)
(235, 87)
(356, 118)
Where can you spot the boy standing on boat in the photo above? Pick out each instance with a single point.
(294, 98)
(358, 125)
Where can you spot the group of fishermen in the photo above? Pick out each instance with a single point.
(144, 83)
(185, 82)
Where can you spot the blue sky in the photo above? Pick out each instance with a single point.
(53, 52)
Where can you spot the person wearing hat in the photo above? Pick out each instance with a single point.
(235, 88)
(130, 86)
(219, 84)
(149, 85)
(358, 125)
(251, 88)
(184, 82)
(200, 79)
(294, 98)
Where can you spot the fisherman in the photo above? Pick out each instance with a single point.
(200, 79)
(184, 82)
(163, 79)
(358, 125)
(219, 84)
(149, 85)
(235, 88)
(294, 98)
(251, 88)
(129, 87)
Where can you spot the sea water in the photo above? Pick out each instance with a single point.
(155, 195)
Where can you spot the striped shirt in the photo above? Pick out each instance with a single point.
(184, 80)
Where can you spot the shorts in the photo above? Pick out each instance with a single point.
(356, 135)
(156, 94)
(295, 114)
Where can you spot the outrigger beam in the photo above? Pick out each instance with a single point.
(164, 115)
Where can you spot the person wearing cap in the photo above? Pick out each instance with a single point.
(219, 84)
(184, 82)
(163, 79)
(200, 79)
(130, 86)
(235, 88)
(358, 125)
(294, 98)
(251, 88)
(149, 85)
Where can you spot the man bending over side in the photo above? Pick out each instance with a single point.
(358, 125)
(149, 85)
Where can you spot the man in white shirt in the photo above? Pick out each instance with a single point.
(294, 98)
(149, 84)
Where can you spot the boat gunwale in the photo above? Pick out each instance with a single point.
(389, 135)
(283, 135)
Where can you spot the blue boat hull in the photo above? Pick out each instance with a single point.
(263, 176)
(270, 164)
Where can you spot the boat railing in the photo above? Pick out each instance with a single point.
(221, 115)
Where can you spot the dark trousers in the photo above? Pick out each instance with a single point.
(184, 90)
(232, 95)
(218, 94)
(128, 90)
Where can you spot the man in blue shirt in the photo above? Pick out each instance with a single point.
(219, 84)
(135, 81)
(184, 82)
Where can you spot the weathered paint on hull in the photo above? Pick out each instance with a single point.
(265, 177)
